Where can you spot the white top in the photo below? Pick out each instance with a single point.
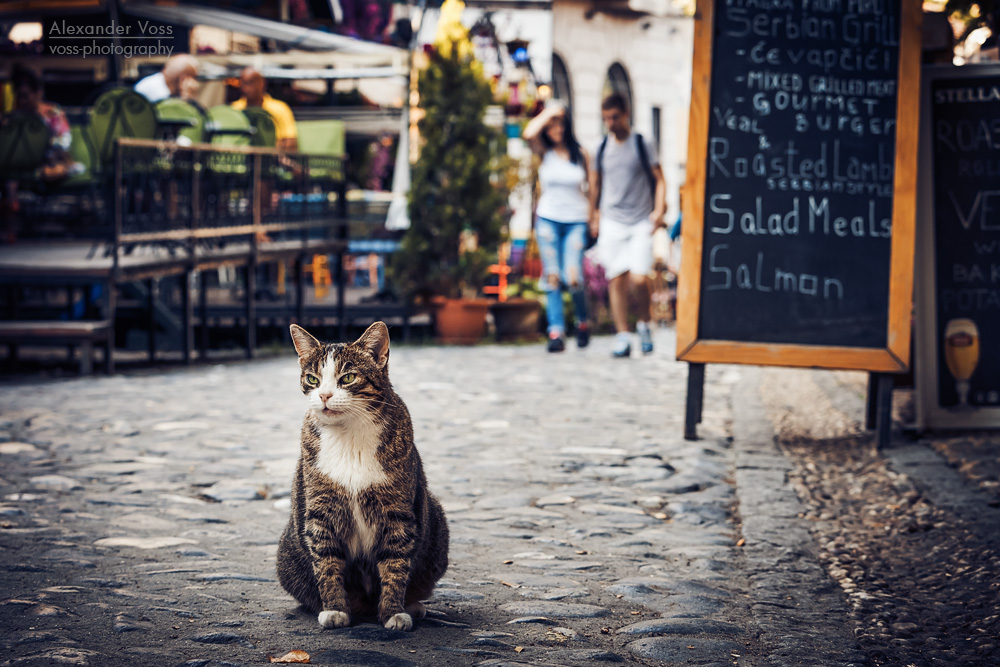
(153, 87)
(562, 197)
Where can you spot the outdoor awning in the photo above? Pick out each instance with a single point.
(298, 74)
(359, 52)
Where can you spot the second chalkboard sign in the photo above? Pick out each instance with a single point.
(801, 172)
(958, 306)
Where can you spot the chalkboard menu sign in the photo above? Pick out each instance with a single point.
(959, 306)
(801, 171)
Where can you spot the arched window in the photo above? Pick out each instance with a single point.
(561, 89)
(617, 82)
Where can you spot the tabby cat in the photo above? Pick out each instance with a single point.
(365, 536)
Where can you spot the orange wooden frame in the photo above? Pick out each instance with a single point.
(896, 355)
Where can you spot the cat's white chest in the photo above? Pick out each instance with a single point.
(362, 540)
(347, 456)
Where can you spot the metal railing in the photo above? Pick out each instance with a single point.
(203, 206)
(166, 193)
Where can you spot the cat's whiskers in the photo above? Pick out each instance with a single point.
(380, 402)
(367, 408)
(357, 410)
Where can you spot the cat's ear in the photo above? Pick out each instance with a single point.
(303, 341)
(376, 339)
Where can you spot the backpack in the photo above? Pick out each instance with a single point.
(641, 148)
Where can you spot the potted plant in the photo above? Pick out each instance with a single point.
(458, 194)
(520, 315)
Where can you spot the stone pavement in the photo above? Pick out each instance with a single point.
(140, 515)
(909, 532)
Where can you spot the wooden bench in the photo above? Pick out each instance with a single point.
(76, 333)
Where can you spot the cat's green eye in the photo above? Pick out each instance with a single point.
(312, 380)
(348, 378)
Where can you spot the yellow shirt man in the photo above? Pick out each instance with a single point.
(252, 85)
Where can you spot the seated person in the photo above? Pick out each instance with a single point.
(28, 100)
(178, 78)
(57, 163)
(254, 89)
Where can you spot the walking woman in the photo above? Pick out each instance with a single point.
(562, 216)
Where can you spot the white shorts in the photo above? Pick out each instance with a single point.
(625, 248)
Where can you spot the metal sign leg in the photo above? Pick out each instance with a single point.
(878, 406)
(695, 397)
(884, 418)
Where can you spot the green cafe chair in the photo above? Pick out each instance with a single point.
(90, 211)
(85, 183)
(227, 188)
(119, 113)
(179, 118)
(265, 133)
(82, 152)
(228, 127)
(323, 138)
(23, 141)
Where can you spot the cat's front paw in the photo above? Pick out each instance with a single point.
(334, 619)
(401, 621)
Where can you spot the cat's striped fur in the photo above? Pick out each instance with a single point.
(365, 536)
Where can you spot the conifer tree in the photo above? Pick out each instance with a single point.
(458, 189)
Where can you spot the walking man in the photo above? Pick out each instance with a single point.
(628, 197)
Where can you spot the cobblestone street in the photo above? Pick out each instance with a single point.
(141, 515)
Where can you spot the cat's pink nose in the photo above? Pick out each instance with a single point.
(325, 397)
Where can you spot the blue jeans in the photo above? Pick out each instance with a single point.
(561, 245)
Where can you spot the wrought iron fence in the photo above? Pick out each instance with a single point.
(167, 194)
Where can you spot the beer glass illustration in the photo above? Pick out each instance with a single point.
(961, 353)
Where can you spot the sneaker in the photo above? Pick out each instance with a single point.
(622, 347)
(645, 337)
(582, 335)
(556, 343)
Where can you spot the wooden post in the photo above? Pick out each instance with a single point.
(151, 286)
(341, 235)
(108, 297)
(86, 357)
(250, 306)
(299, 289)
(71, 296)
(203, 315)
(251, 269)
(194, 224)
(112, 286)
(695, 398)
(187, 316)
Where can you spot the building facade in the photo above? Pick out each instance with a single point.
(642, 49)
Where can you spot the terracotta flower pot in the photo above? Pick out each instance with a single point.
(460, 321)
(517, 319)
